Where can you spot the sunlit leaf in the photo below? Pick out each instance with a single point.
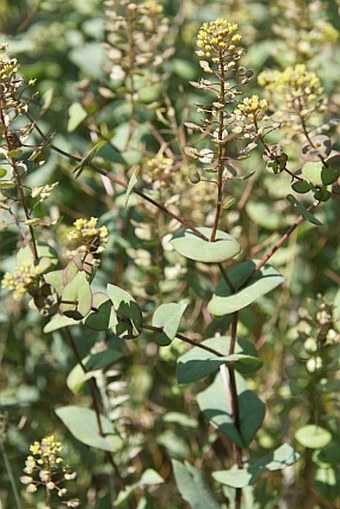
(215, 403)
(191, 246)
(225, 302)
(83, 424)
(193, 487)
(313, 436)
(279, 459)
(168, 317)
(199, 363)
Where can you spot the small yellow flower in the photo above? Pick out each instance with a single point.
(253, 107)
(91, 238)
(298, 87)
(219, 39)
(20, 280)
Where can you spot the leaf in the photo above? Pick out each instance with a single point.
(76, 297)
(279, 459)
(82, 424)
(215, 404)
(99, 361)
(313, 436)
(149, 477)
(199, 363)
(59, 322)
(47, 257)
(128, 313)
(76, 115)
(312, 172)
(189, 245)
(264, 215)
(302, 210)
(223, 302)
(55, 279)
(102, 315)
(2, 172)
(193, 487)
(89, 156)
(332, 172)
(168, 317)
(301, 186)
(132, 182)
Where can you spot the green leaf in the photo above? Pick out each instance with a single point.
(311, 171)
(189, 245)
(313, 436)
(264, 215)
(224, 302)
(302, 210)
(279, 459)
(2, 172)
(215, 403)
(76, 115)
(102, 315)
(76, 297)
(199, 363)
(93, 363)
(301, 186)
(87, 158)
(59, 322)
(82, 424)
(168, 317)
(55, 279)
(132, 182)
(193, 487)
(181, 419)
(128, 313)
(47, 257)
(330, 174)
(149, 477)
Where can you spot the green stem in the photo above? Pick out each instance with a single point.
(220, 150)
(92, 387)
(277, 246)
(11, 477)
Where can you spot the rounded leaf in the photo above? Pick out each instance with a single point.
(224, 302)
(193, 247)
(313, 436)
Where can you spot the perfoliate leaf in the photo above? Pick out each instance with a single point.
(225, 302)
(191, 246)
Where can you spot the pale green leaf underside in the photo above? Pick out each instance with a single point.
(199, 363)
(193, 487)
(82, 423)
(189, 245)
(223, 302)
(215, 403)
(282, 457)
(313, 436)
(168, 317)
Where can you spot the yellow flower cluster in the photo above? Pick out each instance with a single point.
(157, 170)
(20, 280)
(296, 85)
(48, 450)
(91, 237)
(218, 39)
(253, 107)
(45, 462)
